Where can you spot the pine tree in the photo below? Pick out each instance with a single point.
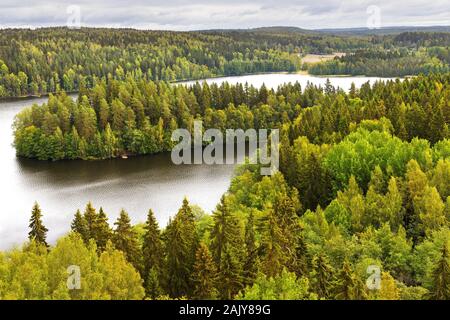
(79, 226)
(441, 277)
(38, 231)
(152, 250)
(204, 274)
(125, 239)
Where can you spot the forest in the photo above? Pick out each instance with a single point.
(364, 181)
(132, 117)
(406, 54)
(48, 60)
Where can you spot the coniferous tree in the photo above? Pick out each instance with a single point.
(101, 231)
(181, 243)
(125, 239)
(348, 286)
(251, 263)
(441, 277)
(204, 275)
(230, 275)
(79, 226)
(152, 251)
(323, 276)
(274, 259)
(225, 231)
(90, 216)
(152, 283)
(38, 232)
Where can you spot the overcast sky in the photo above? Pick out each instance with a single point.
(209, 14)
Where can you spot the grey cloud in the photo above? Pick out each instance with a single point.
(204, 14)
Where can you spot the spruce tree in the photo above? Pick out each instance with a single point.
(181, 243)
(272, 243)
(230, 275)
(101, 231)
(38, 231)
(152, 250)
(79, 226)
(225, 231)
(441, 277)
(251, 263)
(349, 287)
(90, 216)
(152, 284)
(126, 240)
(204, 274)
(291, 241)
(322, 276)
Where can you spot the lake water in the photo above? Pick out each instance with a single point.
(136, 184)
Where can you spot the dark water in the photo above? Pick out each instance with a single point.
(135, 184)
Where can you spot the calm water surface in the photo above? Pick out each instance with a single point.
(135, 184)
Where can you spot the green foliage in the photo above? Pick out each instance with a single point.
(38, 232)
(181, 244)
(285, 286)
(125, 239)
(441, 277)
(204, 274)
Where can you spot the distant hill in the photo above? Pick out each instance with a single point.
(384, 30)
(337, 31)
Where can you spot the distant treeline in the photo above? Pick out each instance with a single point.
(34, 62)
(138, 117)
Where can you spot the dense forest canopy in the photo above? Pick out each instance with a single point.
(34, 62)
(405, 54)
(264, 241)
(137, 117)
(363, 183)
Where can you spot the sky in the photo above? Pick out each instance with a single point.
(223, 14)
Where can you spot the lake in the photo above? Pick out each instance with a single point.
(135, 184)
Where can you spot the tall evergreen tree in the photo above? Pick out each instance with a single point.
(90, 216)
(152, 283)
(79, 226)
(126, 240)
(251, 263)
(322, 276)
(230, 274)
(225, 231)
(181, 243)
(38, 232)
(152, 250)
(101, 231)
(349, 287)
(204, 275)
(441, 277)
